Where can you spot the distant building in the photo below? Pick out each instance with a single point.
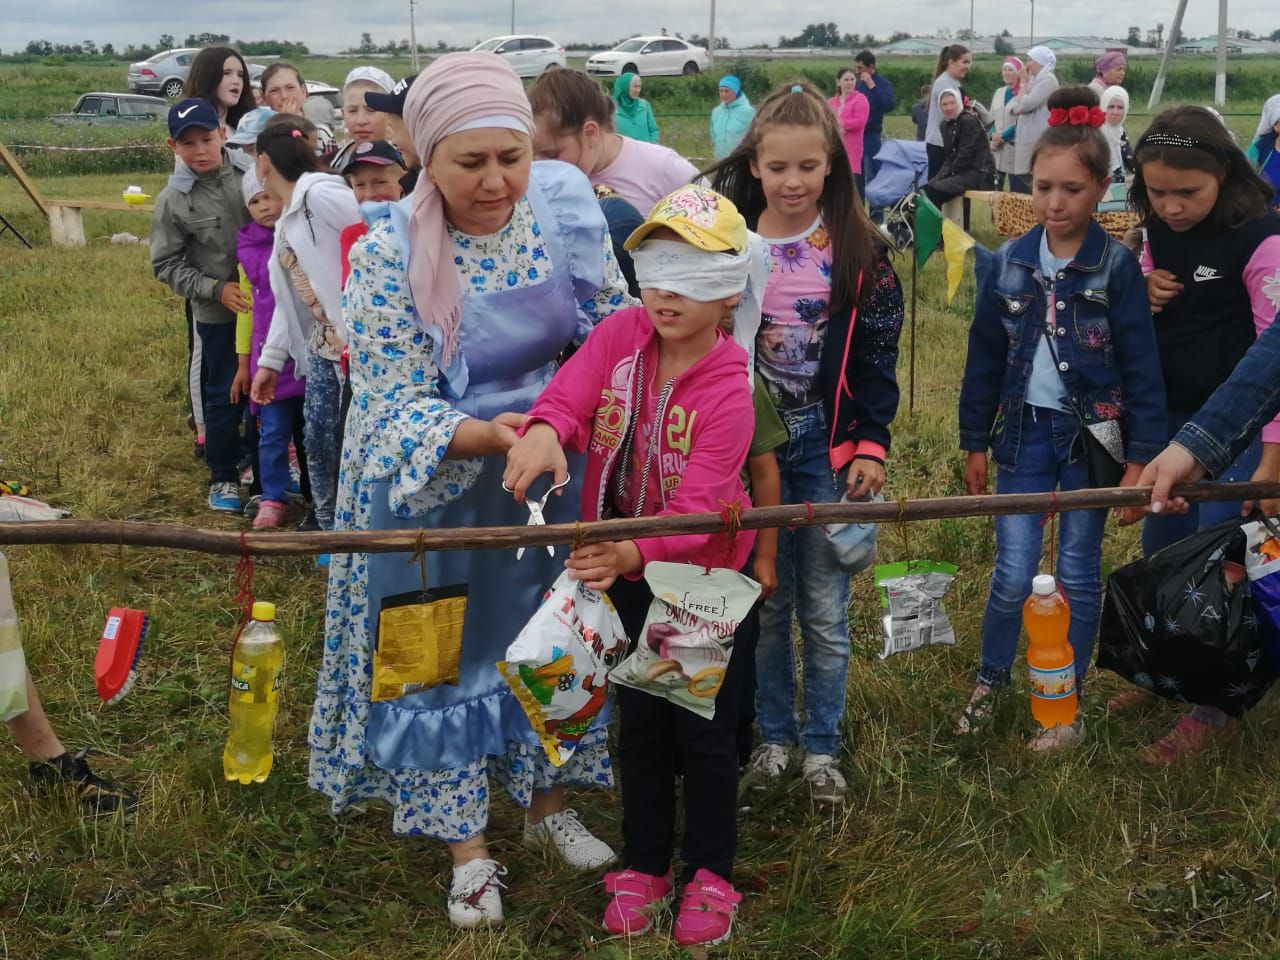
(1076, 46)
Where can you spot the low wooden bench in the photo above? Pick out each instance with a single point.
(66, 217)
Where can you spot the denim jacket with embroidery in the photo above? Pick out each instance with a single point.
(1103, 338)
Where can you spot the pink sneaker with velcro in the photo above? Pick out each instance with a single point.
(706, 910)
(637, 897)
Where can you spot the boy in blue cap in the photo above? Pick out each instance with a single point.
(193, 251)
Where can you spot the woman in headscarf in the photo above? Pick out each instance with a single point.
(1031, 109)
(633, 117)
(966, 160)
(460, 300)
(730, 118)
(1263, 150)
(1115, 104)
(1109, 71)
(1003, 123)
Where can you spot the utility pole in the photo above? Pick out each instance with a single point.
(711, 34)
(1220, 81)
(972, 36)
(513, 16)
(1032, 41)
(413, 37)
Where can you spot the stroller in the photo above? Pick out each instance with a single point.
(904, 166)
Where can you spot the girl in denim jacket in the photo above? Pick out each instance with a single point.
(1062, 338)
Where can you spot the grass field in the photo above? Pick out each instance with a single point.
(29, 93)
(950, 847)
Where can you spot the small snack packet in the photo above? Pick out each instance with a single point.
(911, 594)
(684, 650)
(558, 666)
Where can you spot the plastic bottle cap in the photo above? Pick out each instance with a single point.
(1042, 586)
(262, 610)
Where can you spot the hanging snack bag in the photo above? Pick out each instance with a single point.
(911, 594)
(558, 666)
(1262, 566)
(684, 649)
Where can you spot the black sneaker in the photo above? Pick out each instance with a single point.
(309, 524)
(72, 770)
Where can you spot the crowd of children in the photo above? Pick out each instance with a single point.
(384, 347)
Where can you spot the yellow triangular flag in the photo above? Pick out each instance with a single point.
(955, 244)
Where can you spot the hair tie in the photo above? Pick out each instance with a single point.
(796, 88)
(295, 133)
(1077, 116)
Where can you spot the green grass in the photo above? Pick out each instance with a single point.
(949, 848)
(31, 92)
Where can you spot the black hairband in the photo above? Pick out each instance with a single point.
(1178, 140)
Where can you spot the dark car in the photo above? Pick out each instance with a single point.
(115, 108)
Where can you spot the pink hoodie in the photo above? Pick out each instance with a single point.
(705, 434)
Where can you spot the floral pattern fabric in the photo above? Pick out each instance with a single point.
(398, 430)
(517, 256)
(794, 316)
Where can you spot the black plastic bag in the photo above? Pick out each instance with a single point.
(1179, 624)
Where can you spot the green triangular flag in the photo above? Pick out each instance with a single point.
(928, 228)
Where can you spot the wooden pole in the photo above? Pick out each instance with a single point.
(177, 537)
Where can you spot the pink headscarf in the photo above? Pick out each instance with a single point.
(459, 91)
(1109, 61)
(1017, 65)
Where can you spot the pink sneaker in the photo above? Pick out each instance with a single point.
(636, 898)
(270, 515)
(706, 910)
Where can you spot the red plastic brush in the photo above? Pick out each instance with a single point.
(118, 652)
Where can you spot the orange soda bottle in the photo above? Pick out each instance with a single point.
(1051, 662)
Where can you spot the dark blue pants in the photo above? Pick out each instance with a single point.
(221, 416)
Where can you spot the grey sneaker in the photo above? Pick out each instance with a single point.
(769, 761)
(826, 783)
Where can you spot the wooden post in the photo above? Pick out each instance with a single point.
(66, 225)
(24, 181)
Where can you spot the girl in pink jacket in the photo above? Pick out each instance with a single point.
(852, 110)
(659, 399)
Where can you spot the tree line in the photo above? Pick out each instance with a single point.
(90, 50)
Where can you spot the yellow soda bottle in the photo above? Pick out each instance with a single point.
(257, 672)
(1051, 662)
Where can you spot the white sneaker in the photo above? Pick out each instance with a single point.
(474, 898)
(567, 835)
(769, 761)
(826, 783)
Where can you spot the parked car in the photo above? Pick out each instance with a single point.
(165, 74)
(316, 88)
(115, 108)
(528, 56)
(650, 57)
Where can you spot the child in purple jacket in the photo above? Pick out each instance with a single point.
(281, 420)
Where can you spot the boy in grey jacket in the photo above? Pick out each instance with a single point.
(193, 250)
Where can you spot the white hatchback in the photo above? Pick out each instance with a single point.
(650, 57)
(528, 56)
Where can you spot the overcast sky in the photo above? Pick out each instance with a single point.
(331, 25)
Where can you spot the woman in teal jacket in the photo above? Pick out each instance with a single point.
(634, 117)
(729, 120)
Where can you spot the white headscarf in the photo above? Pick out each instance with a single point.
(1270, 115)
(1044, 56)
(1114, 132)
(250, 185)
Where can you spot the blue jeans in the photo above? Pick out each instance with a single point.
(275, 430)
(811, 585)
(1160, 531)
(1044, 464)
(322, 410)
(221, 416)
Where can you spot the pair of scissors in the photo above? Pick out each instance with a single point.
(536, 518)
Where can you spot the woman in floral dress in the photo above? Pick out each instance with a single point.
(461, 299)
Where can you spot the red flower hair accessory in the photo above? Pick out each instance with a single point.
(1078, 116)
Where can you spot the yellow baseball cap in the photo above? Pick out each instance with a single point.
(700, 216)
